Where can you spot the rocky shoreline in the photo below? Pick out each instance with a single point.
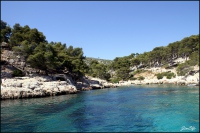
(180, 80)
(32, 86)
(27, 87)
(43, 86)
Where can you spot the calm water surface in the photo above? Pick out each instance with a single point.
(134, 108)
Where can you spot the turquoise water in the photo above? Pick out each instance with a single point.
(134, 108)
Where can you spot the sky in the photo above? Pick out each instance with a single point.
(107, 29)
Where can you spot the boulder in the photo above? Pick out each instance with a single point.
(18, 84)
(86, 88)
(96, 86)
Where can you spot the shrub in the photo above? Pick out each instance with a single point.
(115, 80)
(159, 76)
(17, 73)
(107, 76)
(169, 75)
(93, 75)
(194, 59)
(141, 78)
(133, 78)
(183, 69)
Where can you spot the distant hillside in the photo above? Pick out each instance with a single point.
(103, 61)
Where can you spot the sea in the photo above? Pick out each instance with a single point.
(136, 108)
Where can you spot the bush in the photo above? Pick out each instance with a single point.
(194, 59)
(107, 76)
(183, 69)
(169, 75)
(115, 80)
(141, 78)
(132, 78)
(17, 73)
(159, 76)
(93, 74)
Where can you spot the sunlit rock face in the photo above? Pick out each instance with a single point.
(25, 87)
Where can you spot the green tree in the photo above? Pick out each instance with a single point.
(194, 59)
(122, 67)
(5, 32)
(99, 70)
(20, 34)
(183, 69)
(135, 62)
(25, 49)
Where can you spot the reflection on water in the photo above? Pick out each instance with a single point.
(135, 108)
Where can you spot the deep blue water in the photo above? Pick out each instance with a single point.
(134, 108)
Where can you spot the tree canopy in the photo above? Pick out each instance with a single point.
(41, 54)
(55, 56)
(5, 32)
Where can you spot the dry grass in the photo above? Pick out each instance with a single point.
(146, 75)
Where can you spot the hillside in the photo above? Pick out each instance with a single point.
(28, 50)
(103, 61)
(181, 55)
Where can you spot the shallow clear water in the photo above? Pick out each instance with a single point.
(134, 108)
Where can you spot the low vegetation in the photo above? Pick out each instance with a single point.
(17, 73)
(168, 75)
(115, 80)
(98, 70)
(141, 78)
(183, 69)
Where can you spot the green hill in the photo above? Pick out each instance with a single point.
(103, 61)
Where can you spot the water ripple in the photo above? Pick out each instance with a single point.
(135, 108)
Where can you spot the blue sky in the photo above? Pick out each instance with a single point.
(107, 29)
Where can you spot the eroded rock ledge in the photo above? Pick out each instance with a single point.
(26, 87)
(42, 86)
